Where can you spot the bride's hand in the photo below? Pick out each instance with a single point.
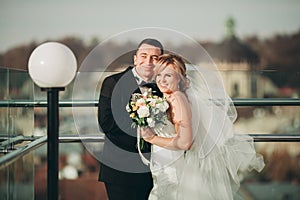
(146, 133)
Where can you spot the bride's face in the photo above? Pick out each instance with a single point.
(167, 80)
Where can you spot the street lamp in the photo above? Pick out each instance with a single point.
(52, 66)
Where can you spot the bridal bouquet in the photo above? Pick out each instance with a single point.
(147, 110)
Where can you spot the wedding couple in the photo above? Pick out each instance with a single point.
(195, 155)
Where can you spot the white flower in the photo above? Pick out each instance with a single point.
(152, 102)
(141, 102)
(128, 108)
(150, 122)
(143, 111)
(163, 106)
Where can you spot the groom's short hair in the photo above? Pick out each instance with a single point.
(152, 42)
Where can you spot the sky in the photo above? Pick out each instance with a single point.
(23, 22)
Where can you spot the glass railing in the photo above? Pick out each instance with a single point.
(16, 123)
(270, 115)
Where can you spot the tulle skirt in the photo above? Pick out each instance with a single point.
(216, 176)
(213, 177)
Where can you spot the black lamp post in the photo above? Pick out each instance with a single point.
(52, 145)
(52, 66)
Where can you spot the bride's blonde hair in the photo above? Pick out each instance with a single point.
(177, 63)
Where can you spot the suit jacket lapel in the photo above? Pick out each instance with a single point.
(121, 95)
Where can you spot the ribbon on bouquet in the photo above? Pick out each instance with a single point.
(144, 160)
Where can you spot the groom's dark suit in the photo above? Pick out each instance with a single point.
(120, 163)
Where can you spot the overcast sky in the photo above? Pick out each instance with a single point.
(25, 21)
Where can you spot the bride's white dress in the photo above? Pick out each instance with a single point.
(165, 167)
(207, 171)
(211, 169)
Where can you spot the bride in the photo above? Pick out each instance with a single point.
(196, 154)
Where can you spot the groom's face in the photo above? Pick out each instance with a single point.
(145, 59)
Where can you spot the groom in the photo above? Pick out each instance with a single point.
(121, 168)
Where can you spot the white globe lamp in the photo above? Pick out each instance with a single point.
(52, 66)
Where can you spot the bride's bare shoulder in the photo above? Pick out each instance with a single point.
(180, 107)
(178, 97)
(179, 101)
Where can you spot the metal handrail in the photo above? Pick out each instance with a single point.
(276, 137)
(94, 103)
(267, 102)
(12, 156)
(15, 154)
(68, 138)
(12, 140)
(256, 138)
(85, 138)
